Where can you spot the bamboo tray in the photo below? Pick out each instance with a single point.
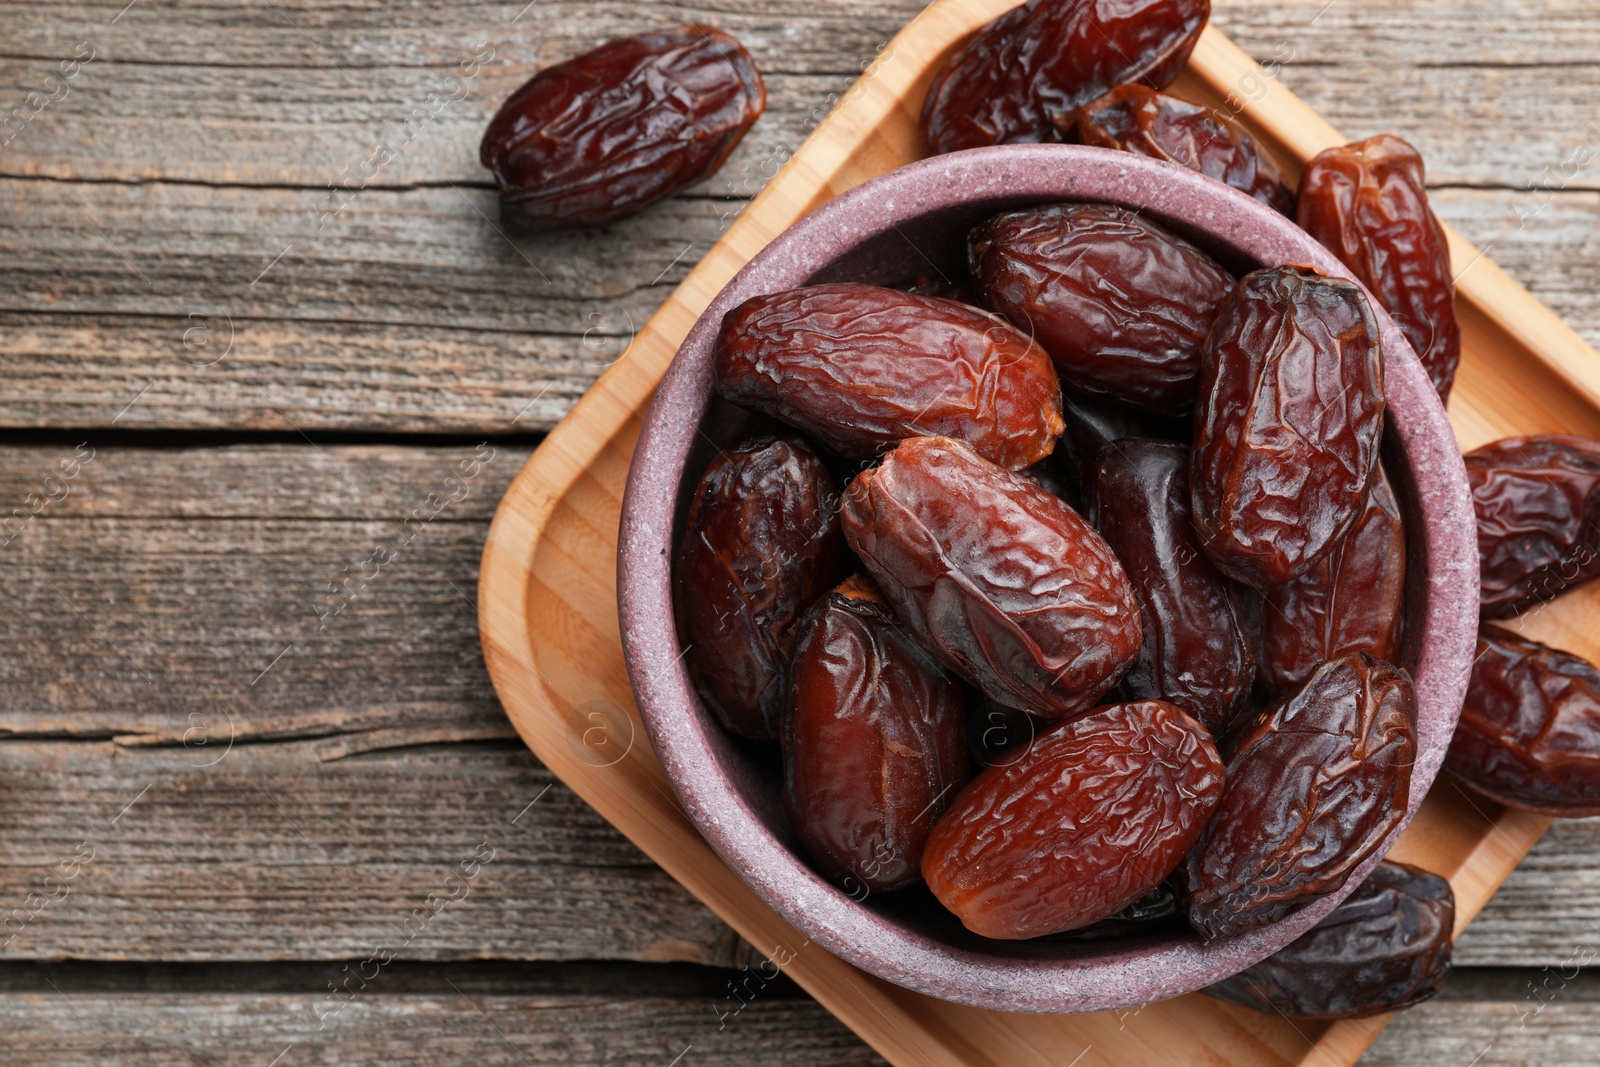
(548, 613)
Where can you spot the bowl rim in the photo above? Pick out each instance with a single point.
(668, 704)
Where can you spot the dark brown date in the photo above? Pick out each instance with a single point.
(862, 368)
(1197, 651)
(1093, 422)
(760, 545)
(1121, 305)
(1136, 118)
(607, 134)
(1157, 912)
(1313, 788)
(1090, 820)
(998, 734)
(1529, 735)
(1010, 81)
(1384, 948)
(1538, 505)
(998, 578)
(1366, 203)
(874, 742)
(1353, 600)
(1287, 429)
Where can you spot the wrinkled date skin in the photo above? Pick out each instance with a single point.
(1158, 911)
(1135, 118)
(607, 134)
(1529, 735)
(862, 368)
(1002, 581)
(761, 544)
(1121, 305)
(1197, 651)
(1016, 76)
(1384, 948)
(1096, 814)
(874, 744)
(1353, 600)
(1287, 429)
(1365, 202)
(1538, 505)
(1313, 788)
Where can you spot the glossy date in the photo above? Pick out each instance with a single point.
(1090, 820)
(1529, 735)
(997, 577)
(1314, 787)
(1537, 501)
(1352, 600)
(1121, 304)
(1136, 118)
(862, 368)
(760, 545)
(1366, 203)
(1384, 948)
(1197, 651)
(1288, 424)
(874, 742)
(1038, 63)
(607, 134)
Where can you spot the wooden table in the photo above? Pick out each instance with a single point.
(266, 365)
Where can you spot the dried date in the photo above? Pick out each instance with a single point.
(874, 742)
(1122, 305)
(1366, 203)
(1093, 422)
(1353, 600)
(862, 368)
(1314, 787)
(761, 544)
(1001, 580)
(1529, 735)
(1091, 819)
(1386, 947)
(1017, 75)
(1197, 651)
(1288, 424)
(607, 134)
(1538, 505)
(1135, 118)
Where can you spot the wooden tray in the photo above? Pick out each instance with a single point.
(548, 613)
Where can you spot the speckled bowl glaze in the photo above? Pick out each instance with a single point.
(911, 223)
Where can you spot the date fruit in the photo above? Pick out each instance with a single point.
(1288, 424)
(862, 368)
(1197, 651)
(1353, 600)
(1042, 61)
(760, 545)
(1001, 580)
(1366, 203)
(1538, 505)
(1314, 787)
(1529, 735)
(1122, 305)
(1093, 818)
(1135, 118)
(1093, 422)
(1384, 948)
(607, 134)
(874, 742)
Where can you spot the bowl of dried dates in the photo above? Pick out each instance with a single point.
(1048, 577)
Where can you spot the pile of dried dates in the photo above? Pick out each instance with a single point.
(1078, 600)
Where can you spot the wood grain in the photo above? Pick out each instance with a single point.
(185, 170)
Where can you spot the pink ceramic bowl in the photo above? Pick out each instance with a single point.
(908, 224)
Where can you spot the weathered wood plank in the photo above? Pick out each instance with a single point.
(293, 591)
(1497, 1019)
(424, 317)
(206, 852)
(67, 1030)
